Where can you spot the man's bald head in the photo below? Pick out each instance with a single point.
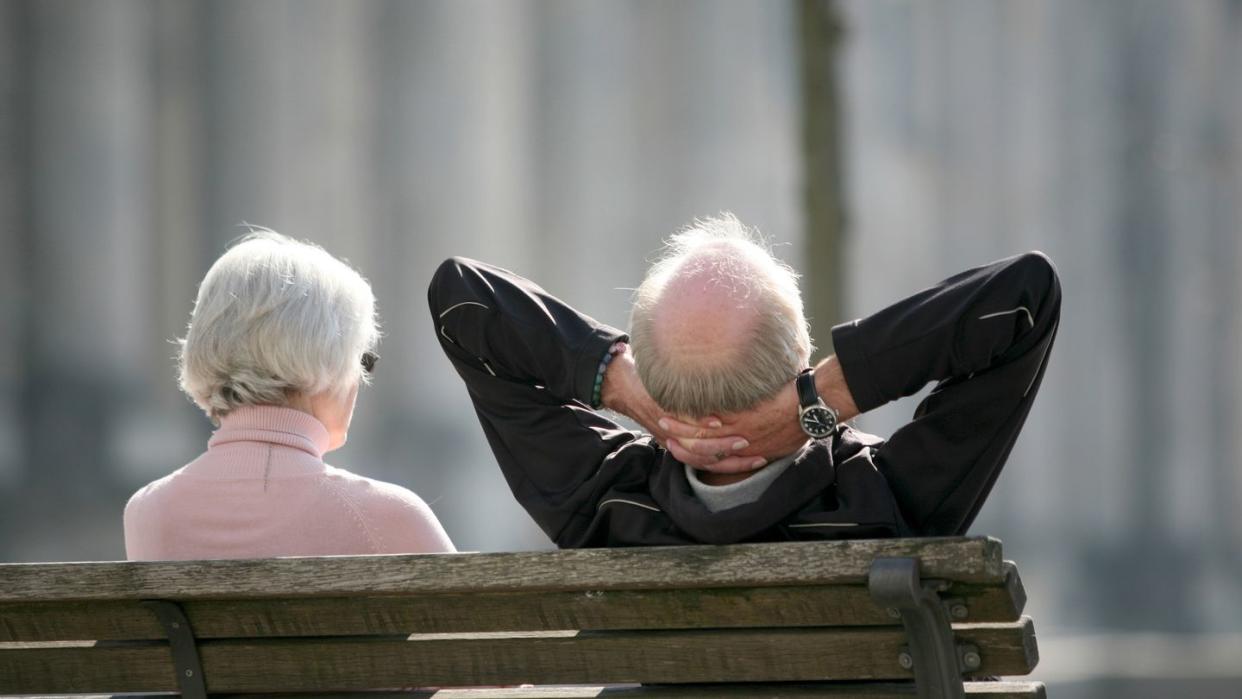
(717, 324)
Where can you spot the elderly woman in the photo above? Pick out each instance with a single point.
(280, 338)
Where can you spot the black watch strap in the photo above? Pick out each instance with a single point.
(807, 395)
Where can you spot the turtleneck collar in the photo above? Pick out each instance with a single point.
(743, 492)
(272, 425)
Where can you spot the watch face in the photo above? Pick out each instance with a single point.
(818, 421)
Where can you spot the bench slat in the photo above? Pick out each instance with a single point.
(836, 690)
(976, 559)
(596, 610)
(1014, 589)
(502, 659)
(996, 639)
(840, 690)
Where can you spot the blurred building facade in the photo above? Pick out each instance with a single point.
(565, 140)
(1108, 134)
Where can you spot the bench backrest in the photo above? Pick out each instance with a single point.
(743, 613)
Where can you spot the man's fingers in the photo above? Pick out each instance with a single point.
(687, 457)
(691, 430)
(717, 447)
(707, 453)
(676, 428)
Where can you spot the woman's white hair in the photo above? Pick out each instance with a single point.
(276, 318)
(777, 348)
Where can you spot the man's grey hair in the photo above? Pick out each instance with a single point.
(734, 257)
(276, 318)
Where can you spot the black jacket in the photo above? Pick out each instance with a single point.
(529, 362)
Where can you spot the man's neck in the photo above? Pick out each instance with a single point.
(710, 478)
(724, 478)
(720, 496)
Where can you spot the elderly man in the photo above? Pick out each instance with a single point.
(748, 442)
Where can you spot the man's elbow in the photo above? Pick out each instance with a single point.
(1037, 262)
(445, 283)
(1036, 274)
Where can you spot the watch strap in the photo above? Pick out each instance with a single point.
(807, 395)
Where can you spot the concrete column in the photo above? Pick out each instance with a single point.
(178, 211)
(325, 139)
(820, 34)
(13, 240)
(454, 177)
(89, 116)
(672, 115)
(163, 429)
(593, 99)
(89, 264)
(1201, 156)
(247, 99)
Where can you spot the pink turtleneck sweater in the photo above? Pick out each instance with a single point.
(262, 490)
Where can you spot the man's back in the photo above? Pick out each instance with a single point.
(532, 365)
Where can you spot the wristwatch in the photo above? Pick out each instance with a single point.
(814, 416)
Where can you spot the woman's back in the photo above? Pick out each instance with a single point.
(262, 489)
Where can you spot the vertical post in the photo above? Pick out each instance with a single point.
(184, 648)
(933, 656)
(1146, 73)
(14, 306)
(820, 30)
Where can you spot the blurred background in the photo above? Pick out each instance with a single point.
(881, 144)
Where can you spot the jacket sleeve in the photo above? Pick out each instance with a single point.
(529, 362)
(983, 336)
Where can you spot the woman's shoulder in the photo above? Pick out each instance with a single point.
(371, 489)
(399, 512)
(153, 491)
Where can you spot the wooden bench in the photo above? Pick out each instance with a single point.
(833, 619)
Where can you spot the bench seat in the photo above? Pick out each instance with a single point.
(795, 619)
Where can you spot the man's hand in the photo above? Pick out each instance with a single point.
(771, 427)
(624, 393)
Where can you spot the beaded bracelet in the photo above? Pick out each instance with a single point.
(596, 393)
